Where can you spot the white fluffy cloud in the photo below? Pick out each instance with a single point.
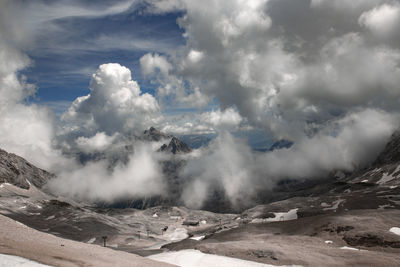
(99, 142)
(227, 119)
(383, 21)
(115, 104)
(280, 68)
(150, 63)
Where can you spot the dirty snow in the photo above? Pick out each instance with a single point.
(10, 260)
(194, 258)
(178, 234)
(395, 230)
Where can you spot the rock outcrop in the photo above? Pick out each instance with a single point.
(19, 172)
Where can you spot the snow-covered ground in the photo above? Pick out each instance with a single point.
(9, 260)
(195, 258)
(395, 230)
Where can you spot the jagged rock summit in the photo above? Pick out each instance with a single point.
(175, 145)
(19, 172)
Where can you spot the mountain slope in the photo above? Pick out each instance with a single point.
(19, 172)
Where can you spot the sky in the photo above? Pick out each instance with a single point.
(81, 75)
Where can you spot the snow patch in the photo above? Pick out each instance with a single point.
(335, 205)
(328, 242)
(198, 238)
(364, 181)
(194, 258)
(350, 248)
(10, 260)
(178, 234)
(155, 215)
(203, 222)
(395, 230)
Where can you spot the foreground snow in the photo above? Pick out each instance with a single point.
(9, 260)
(194, 258)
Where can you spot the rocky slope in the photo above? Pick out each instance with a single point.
(17, 171)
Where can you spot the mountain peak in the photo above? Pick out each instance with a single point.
(176, 146)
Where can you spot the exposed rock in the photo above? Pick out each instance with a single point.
(281, 144)
(191, 223)
(176, 146)
(370, 240)
(17, 171)
(391, 153)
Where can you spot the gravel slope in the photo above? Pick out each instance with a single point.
(20, 240)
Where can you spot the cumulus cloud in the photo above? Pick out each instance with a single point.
(383, 21)
(150, 63)
(279, 68)
(115, 104)
(227, 119)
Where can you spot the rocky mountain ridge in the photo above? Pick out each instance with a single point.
(17, 171)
